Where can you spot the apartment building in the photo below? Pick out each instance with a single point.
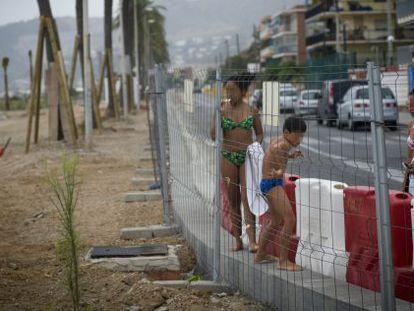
(283, 37)
(355, 27)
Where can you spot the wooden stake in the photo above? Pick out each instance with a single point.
(35, 92)
(67, 103)
(95, 103)
(52, 84)
(102, 78)
(117, 107)
(75, 54)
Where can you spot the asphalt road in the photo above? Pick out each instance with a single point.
(329, 153)
(344, 155)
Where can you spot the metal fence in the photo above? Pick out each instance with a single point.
(340, 218)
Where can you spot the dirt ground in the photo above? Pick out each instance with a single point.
(31, 276)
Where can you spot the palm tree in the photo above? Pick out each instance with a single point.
(159, 45)
(79, 26)
(128, 33)
(150, 36)
(46, 11)
(110, 111)
(5, 64)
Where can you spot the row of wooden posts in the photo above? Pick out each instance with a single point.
(61, 114)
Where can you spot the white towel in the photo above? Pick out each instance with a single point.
(254, 163)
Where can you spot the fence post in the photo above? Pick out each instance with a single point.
(217, 214)
(159, 103)
(381, 189)
(149, 97)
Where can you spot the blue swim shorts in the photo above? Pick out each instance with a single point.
(267, 184)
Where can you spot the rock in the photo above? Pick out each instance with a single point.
(13, 266)
(134, 308)
(214, 300)
(221, 295)
(38, 215)
(152, 304)
(128, 280)
(163, 308)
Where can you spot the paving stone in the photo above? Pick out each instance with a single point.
(148, 232)
(169, 262)
(143, 196)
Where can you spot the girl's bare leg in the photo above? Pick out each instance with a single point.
(248, 215)
(230, 174)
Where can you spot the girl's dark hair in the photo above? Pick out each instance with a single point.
(242, 80)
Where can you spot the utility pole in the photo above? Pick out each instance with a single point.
(137, 85)
(87, 74)
(123, 63)
(390, 32)
(226, 42)
(344, 37)
(238, 44)
(337, 29)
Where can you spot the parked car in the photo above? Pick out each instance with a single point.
(257, 99)
(288, 95)
(354, 108)
(307, 102)
(332, 92)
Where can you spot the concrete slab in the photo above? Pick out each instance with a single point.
(144, 172)
(148, 232)
(169, 262)
(143, 196)
(303, 290)
(142, 181)
(145, 159)
(202, 286)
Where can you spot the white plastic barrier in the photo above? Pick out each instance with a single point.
(320, 226)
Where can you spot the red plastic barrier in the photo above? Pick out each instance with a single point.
(273, 246)
(404, 283)
(226, 222)
(361, 223)
(362, 242)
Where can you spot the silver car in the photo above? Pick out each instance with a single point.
(354, 108)
(307, 102)
(287, 98)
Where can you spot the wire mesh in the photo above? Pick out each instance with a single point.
(290, 198)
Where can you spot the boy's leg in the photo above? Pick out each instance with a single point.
(268, 231)
(229, 173)
(248, 215)
(280, 203)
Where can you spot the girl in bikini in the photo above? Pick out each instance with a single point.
(408, 185)
(239, 121)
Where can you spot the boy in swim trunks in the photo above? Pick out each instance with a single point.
(274, 166)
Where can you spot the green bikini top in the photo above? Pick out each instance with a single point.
(228, 124)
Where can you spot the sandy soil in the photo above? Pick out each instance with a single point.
(31, 276)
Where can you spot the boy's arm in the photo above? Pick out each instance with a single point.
(295, 154)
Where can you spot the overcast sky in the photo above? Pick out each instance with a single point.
(21, 10)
